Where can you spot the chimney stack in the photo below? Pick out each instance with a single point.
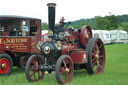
(51, 15)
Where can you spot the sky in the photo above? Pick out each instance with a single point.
(70, 9)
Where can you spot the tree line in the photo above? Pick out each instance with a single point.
(110, 22)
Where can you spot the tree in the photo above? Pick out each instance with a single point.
(113, 21)
(44, 26)
(81, 25)
(107, 22)
(124, 26)
(102, 23)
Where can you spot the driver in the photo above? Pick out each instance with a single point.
(61, 22)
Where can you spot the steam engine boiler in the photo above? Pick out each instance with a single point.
(66, 50)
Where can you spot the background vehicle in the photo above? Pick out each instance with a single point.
(67, 49)
(19, 37)
(113, 36)
(119, 36)
(104, 35)
(44, 35)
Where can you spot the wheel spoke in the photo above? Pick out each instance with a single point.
(95, 48)
(67, 62)
(67, 76)
(34, 77)
(30, 68)
(100, 66)
(101, 56)
(70, 68)
(94, 59)
(94, 63)
(101, 45)
(39, 74)
(64, 64)
(32, 74)
(62, 70)
(35, 63)
(93, 54)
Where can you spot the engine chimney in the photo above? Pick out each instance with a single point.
(51, 15)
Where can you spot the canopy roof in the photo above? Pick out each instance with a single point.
(12, 17)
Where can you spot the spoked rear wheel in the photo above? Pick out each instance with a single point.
(32, 69)
(64, 70)
(96, 56)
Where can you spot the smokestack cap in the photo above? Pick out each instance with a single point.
(51, 4)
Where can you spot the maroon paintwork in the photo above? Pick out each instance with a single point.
(79, 57)
(85, 35)
(77, 51)
(65, 50)
(26, 44)
(19, 46)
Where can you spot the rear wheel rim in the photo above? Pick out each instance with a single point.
(66, 70)
(88, 33)
(4, 66)
(98, 57)
(34, 72)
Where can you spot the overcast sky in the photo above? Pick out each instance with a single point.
(70, 9)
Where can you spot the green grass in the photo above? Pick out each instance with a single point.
(115, 72)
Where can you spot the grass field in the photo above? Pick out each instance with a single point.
(115, 73)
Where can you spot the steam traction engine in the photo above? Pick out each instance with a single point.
(66, 50)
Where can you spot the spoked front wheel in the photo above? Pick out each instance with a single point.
(64, 70)
(32, 69)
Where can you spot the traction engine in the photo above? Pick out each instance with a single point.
(66, 50)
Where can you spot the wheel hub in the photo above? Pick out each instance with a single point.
(67, 70)
(97, 55)
(3, 66)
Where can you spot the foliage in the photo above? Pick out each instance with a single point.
(82, 22)
(44, 26)
(123, 18)
(102, 23)
(124, 26)
(106, 23)
(81, 25)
